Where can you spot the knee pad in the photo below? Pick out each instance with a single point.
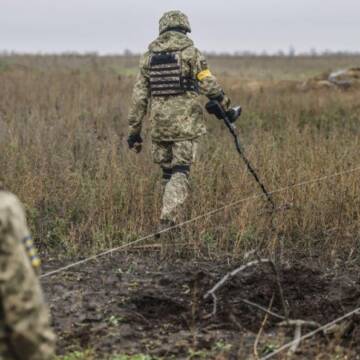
(182, 169)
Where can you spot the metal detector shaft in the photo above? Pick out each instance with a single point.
(232, 130)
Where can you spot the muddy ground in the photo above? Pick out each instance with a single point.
(135, 303)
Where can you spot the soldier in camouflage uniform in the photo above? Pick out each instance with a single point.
(25, 332)
(173, 73)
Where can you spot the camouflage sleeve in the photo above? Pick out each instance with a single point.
(140, 100)
(26, 317)
(208, 83)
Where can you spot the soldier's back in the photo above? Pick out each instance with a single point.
(170, 66)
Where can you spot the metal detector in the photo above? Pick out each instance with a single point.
(229, 117)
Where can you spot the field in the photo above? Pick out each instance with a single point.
(63, 152)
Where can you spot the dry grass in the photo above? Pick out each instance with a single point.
(63, 122)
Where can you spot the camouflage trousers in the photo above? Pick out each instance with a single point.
(175, 159)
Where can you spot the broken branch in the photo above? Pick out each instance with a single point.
(231, 274)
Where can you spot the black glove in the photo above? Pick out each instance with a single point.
(223, 100)
(214, 107)
(134, 139)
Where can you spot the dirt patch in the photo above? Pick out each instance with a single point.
(128, 304)
(341, 79)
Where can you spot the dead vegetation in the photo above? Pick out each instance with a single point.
(62, 129)
(343, 79)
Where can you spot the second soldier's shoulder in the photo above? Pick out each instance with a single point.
(10, 203)
(8, 199)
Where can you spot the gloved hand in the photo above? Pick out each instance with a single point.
(135, 142)
(225, 102)
(223, 99)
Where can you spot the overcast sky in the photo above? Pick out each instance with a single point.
(111, 26)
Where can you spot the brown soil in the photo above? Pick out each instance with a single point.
(132, 304)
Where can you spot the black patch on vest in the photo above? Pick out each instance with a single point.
(165, 58)
(166, 78)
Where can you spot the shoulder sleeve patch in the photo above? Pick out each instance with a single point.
(203, 74)
(203, 64)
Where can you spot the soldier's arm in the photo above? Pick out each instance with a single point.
(25, 315)
(208, 83)
(140, 99)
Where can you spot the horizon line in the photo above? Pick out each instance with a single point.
(236, 53)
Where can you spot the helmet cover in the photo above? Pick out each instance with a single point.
(172, 20)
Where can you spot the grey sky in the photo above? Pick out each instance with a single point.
(110, 26)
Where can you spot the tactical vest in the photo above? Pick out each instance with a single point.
(166, 75)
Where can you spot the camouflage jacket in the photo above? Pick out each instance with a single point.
(25, 332)
(173, 118)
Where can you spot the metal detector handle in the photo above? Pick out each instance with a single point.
(227, 121)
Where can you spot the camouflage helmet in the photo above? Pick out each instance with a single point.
(172, 20)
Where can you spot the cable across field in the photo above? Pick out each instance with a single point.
(208, 214)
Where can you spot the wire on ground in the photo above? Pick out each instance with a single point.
(208, 214)
(311, 333)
